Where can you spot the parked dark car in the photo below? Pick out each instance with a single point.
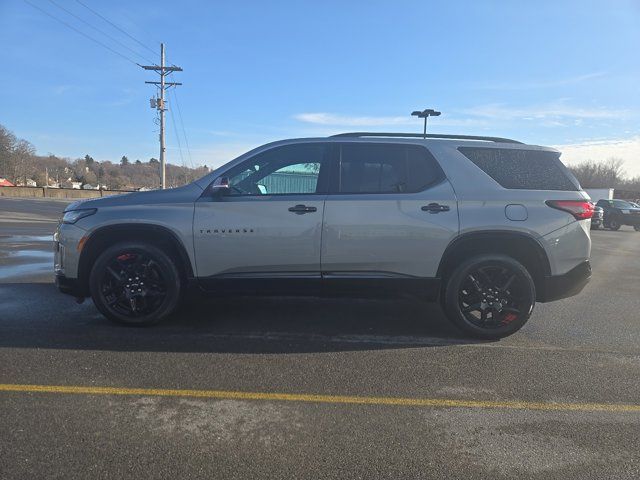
(597, 220)
(618, 213)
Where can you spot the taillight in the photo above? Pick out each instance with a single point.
(580, 209)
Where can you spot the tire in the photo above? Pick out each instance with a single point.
(636, 228)
(614, 224)
(484, 284)
(118, 289)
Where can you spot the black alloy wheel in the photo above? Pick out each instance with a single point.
(614, 224)
(135, 284)
(490, 296)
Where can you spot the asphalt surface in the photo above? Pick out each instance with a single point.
(578, 351)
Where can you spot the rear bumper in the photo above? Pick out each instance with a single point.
(556, 287)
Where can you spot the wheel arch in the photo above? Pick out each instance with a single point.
(520, 246)
(156, 235)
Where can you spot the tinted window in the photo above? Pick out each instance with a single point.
(383, 168)
(290, 169)
(522, 169)
(622, 204)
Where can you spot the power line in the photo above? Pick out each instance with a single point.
(82, 33)
(115, 26)
(184, 131)
(175, 131)
(99, 31)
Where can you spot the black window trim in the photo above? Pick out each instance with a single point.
(336, 159)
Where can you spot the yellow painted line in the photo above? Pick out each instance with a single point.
(337, 399)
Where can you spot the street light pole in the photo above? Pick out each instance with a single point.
(425, 114)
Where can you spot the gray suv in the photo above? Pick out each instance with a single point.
(487, 226)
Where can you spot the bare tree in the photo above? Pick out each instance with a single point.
(23, 153)
(7, 143)
(19, 162)
(604, 174)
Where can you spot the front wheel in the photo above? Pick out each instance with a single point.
(489, 296)
(135, 284)
(614, 224)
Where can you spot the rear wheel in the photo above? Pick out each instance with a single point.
(135, 284)
(490, 296)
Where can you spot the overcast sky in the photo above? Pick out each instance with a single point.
(561, 73)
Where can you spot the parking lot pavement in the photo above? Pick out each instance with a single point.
(313, 388)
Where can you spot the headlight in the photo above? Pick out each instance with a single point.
(72, 216)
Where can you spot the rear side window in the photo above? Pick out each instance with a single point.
(384, 168)
(522, 169)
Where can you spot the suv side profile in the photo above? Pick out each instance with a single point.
(487, 226)
(620, 212)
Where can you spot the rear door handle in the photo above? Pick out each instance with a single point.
(301, 209)
(435, 208)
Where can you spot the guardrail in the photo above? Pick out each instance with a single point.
(44, 192)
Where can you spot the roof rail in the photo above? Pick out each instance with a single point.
(428, 135)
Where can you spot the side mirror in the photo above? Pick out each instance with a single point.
(220, 186)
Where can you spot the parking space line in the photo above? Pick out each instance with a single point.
(329, 399)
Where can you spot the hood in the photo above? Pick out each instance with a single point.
(184, 194)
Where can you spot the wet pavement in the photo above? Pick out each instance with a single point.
(26, 238)
(25, 256)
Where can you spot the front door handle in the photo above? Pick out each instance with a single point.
(435, 208)
(301, 209)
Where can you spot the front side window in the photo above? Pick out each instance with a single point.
(286, 170)
(383, 168)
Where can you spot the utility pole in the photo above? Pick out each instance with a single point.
(159, 104)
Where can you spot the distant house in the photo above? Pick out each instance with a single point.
(5, 183)
(88, 186)
(76, 185)
(29, 182)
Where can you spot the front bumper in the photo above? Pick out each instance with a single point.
(556, 287)
(68, 285)
(66, 254)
